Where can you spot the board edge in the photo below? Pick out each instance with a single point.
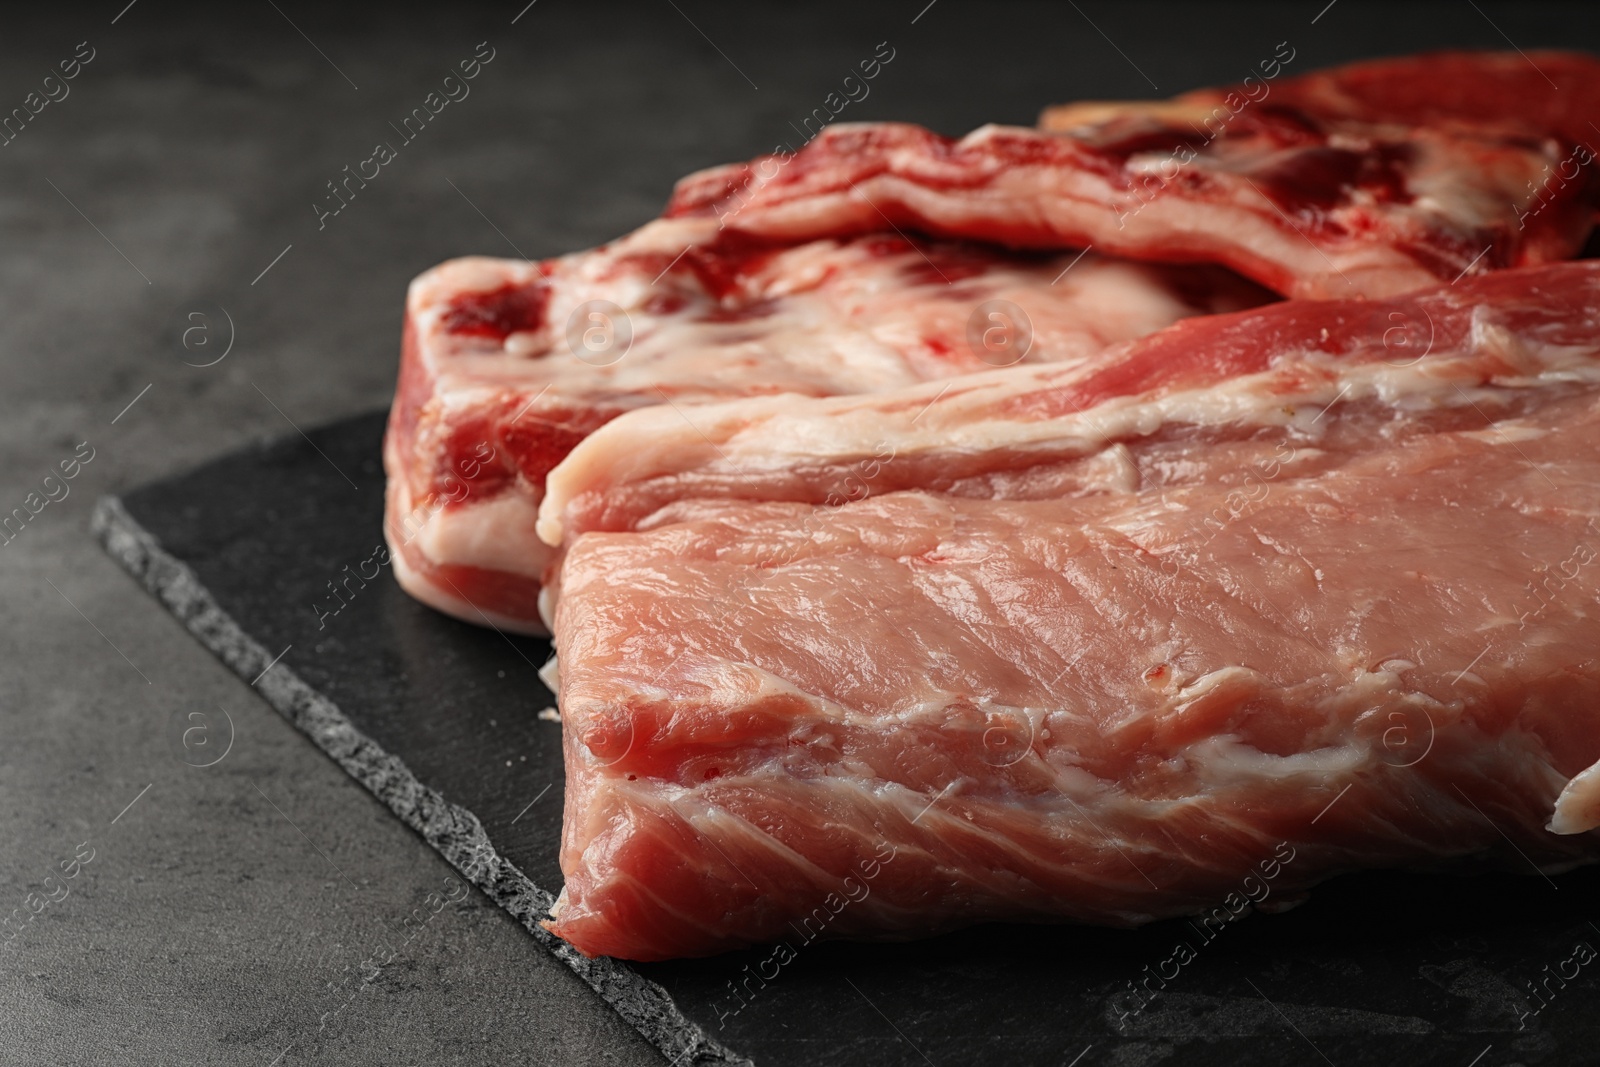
(449, 829)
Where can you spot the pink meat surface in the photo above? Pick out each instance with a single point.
(1332, 607)
(1131, 417)
(1535, 94)
(508, 364)
(1540, 93)
(1311, 187)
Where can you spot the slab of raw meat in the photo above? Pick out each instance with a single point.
(1129, 417)
(1545, 93)
(1342, 202)
(1373, 644)
(507, 364)
(1538, 94)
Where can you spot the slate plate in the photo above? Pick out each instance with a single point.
(438, 719)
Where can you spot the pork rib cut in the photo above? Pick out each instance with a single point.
(1542, 93)
(1338, 607)
(508, 364)
(1311, 191)
(1538, 94)
(1126, 417)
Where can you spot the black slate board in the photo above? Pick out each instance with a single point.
(439, 720)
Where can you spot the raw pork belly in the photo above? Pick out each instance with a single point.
(1311, 192)
(505, 368)
(1540, 94)
(1335, 608)
(1546, 93)
(1128, 418)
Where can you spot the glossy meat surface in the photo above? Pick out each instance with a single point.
(1357, 636)
(1359, 181)
(1134, 416)
(507, 364)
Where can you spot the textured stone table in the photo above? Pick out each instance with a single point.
(177, 172)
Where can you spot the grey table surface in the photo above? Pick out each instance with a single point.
(178, 173)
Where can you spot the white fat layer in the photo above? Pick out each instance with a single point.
(777, 433)
(495, 534)
(550, 674)
(1578, 806)
(834, 317)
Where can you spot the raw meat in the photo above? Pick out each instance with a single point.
(508, 364)
(1538, 94)
(1130, 417)
(1311, 186)
(1545, 93)
(1339, 611)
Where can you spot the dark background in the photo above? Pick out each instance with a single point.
(187, 156)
